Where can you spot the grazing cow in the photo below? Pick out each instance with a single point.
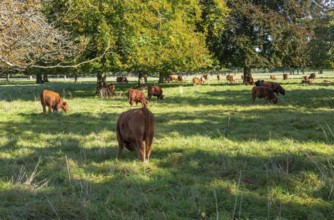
(135, 95)
(276, 87)
(134, 127)
(53, 101)
(121, 79)
(259, 83)
(263, 92)
(198, 81)
(312, 76)
(175, 77)
(305, 78)
(249, 80)
(155, 91)
(272, 77)
(219, 77)
(285, 76)
(206, 76)
(230, 78)
(179, 78)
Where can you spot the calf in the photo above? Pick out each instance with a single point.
(135, 95)
(134, 127)
(53, 101)
(263, 92)
(285, 76)
(155, 91)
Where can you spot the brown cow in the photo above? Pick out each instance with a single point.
(198, 81)
(312, 76)
(285, 76)
(230, 78)
(276, 87)
(175, 77)
(135, 95)
(121, 79)
(263, 92)
(249, 80)
(272, 77)
(134, 127)
(53, 101)
(155, 91)
(179, 78)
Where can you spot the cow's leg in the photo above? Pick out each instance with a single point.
(44, 108)
(148, 150)
(120, 149)
(140, 150)
(50, 107)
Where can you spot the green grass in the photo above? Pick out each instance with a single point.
(216, 155)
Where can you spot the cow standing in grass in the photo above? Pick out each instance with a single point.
(263, 92)
(134, 127)
(135, 95)
(154, 91)
(198, 81)
(276, 87)
(53, 101)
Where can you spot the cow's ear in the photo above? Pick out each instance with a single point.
(64, 103)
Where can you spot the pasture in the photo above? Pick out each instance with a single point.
(215, 154)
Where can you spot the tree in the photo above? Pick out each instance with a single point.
(155, 37)
(262, 33)
(321, 46)
(29, 40)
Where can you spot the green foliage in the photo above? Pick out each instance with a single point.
(265, 34)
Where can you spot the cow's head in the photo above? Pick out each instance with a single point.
(64, 106)
(161, 96)
(281, 90)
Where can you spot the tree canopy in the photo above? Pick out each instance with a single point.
(161, 36)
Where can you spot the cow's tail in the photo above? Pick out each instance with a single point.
(148, 129)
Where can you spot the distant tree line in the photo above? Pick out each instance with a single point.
(160, 37)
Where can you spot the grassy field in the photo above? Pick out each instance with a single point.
(216, 155)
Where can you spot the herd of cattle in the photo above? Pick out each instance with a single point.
(136, 126)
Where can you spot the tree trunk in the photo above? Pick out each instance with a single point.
(142, 80)
(163, 77)
(45, 78)
(101, 81)
(247, 73)
(7, 77)
(39, 78)
(75, 78)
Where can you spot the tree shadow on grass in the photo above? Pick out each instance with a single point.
(184, 183)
